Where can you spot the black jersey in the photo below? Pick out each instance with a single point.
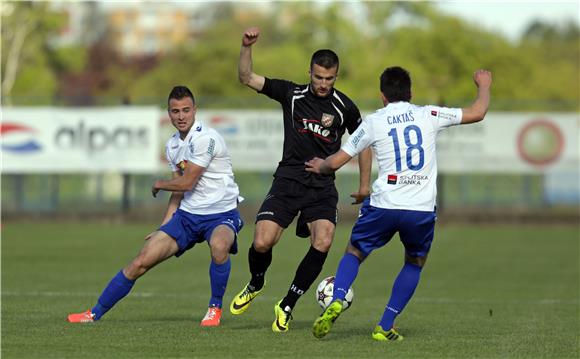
(313, 127)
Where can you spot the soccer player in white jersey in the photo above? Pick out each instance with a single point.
(402, 136)
(202, 208)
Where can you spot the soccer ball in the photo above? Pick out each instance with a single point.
(324, 294)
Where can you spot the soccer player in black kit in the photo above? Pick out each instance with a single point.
(316, 116)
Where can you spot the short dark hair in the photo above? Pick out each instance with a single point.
(325, 58)
(179, 92)
(396, 84)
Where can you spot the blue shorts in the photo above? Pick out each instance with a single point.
(188, 229)
(376, 226)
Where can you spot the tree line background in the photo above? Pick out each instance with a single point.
(539, 72)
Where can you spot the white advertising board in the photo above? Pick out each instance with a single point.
(254, 138)
(502, 143)
(79, 140)
(129, 140)
(512, 143)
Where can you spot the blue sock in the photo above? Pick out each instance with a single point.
(218, 278)
(116, 290)
(345, 275)
(403, 290)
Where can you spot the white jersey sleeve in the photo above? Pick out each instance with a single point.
(203, 150)
(444, 116)
(359, 140)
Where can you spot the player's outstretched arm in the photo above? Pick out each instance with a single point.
(331, 164)
(365, 163)
(245, 73)
(476, 112)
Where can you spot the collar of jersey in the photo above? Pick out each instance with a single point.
(397, 104)
(193, 132)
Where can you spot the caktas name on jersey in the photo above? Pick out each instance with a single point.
(401, 118)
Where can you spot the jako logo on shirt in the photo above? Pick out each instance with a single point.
(17, 138)
(314, 127)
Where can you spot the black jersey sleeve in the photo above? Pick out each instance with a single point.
(277, 89)
(353, 117)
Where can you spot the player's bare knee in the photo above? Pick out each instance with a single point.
(220, 249)
(418, 261)
(263, 244)
(220, 258)
(355, 252)
(135, 269)
(322, 244)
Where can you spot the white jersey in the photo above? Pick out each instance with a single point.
(402, 136)
(216, 191)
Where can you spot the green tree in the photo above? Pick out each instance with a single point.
(30, 65)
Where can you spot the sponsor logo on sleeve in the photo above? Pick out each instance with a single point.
(211, 147)
(447, 116)
(450, 116)
(359, 135)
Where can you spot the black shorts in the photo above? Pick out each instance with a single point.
(288, 197)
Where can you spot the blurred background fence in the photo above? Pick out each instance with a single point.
(84, 87)
(483, 197)
(101, 161)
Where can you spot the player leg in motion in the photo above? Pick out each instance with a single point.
(159, 247)
(373, 230)
(399, 203)
(295, 192)
(190, 217)
(268, 233)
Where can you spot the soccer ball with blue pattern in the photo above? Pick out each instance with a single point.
(324, 294)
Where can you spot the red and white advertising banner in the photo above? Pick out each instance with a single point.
(502, 143)
(512, 143)
(79, 140)
(254, 138)
(130, 140)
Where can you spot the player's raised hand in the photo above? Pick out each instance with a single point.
(482, 78)
(314, 165)
(250, 36)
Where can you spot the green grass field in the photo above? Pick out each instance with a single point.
(486, 292)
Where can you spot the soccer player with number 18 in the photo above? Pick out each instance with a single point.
(402, 136)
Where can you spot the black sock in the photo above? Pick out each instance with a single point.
(306, 274)
(259, 263)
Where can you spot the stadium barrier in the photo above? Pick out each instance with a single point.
(102, 161)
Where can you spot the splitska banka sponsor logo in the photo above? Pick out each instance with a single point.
(18, 138)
